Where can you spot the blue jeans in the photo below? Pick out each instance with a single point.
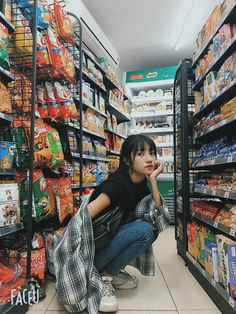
(130, 240)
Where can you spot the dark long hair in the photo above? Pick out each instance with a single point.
(131, 146)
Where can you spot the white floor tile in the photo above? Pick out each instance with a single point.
(151, 294)
(43, 305)
(56, 305)
(185, 290)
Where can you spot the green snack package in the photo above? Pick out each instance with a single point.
(19, 136)
(4, 54)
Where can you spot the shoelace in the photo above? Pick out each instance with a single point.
(107, 288)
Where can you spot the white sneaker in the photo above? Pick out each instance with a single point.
(124, 281)
(108, 302)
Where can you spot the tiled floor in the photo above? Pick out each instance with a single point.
(173, 290)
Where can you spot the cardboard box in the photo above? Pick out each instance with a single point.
(227, 263)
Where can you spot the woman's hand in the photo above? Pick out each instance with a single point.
(159, 167)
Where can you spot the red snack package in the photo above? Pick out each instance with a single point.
(55, 52)
(66, 202)
(53, 107)
(64, 98)
(7, 288)
(69, 72)
(7, 274)
(42, 50)
(64, 23)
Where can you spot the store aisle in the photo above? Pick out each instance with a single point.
(172, 290)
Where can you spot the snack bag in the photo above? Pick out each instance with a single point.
(42, 51)
(9, 203)
(64, 98)
(49, 238)
(4, 54)
(55, 51)
(64, 23)
(43, 209)
(5, 99)
(55, 145)
(65, 201)
(69, 71)
(19, 136)
(42, 101)
(42, 149)
(23, 35)
(7, 154)
(53, 107)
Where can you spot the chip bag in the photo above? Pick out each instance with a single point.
(19, 136)
(64, 98)
(53, 106)
(55, 145)
(4, 54)
(55, 51)
(65, 202)
(42, 51)
(42, 209)
(64, 23)
(69, 72)
(5, 99)
(42, 101)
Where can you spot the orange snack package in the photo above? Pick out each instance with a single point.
(64, 98)
(54, 49)
(42, 50)
(64, 23)
(69, 72)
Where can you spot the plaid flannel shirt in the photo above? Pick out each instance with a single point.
(78, 282)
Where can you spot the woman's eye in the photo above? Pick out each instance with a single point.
(152, 153)
(140, 153)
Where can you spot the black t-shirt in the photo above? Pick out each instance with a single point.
(122, 191)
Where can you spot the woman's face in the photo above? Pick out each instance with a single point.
(144, 161)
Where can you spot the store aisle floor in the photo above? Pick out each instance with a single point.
(173, 290)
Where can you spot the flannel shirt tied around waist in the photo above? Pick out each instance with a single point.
(78, 282)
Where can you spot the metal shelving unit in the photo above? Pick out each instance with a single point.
(182, 100)
(224, 128)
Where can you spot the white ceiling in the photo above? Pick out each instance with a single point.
(144, 32)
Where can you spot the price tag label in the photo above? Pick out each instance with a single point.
(213, 282)
(215, 224)
(230, 159)
(226, 195)
(231, 301)
(212, 162)
(204, 272)
(214, 192)
(232, 232)
(223, 122)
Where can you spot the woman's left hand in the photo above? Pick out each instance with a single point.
(159, 167)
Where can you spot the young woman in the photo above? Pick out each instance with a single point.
(125, 188)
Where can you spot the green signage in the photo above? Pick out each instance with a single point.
(150, 75)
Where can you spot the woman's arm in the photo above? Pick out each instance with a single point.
(153, 182)
(100, 203)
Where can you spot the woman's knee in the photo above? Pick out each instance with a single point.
(146, 231)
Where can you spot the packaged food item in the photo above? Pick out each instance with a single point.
(150, 93)
(23, 36)
(69, 68)
(42, 50)
(55, 145)
(142, 94)
(65, 202)
(101, 172)
(5, 99)
(64, 23)
(4, 54)
(49, 238)
(55, 51)
(67, 106)
(159, 92)
(7, 273)
(89, 172)
(42, 101)
(9, 204)
(19, 136)
(42, 208)
(227, 260)
(7, 154)
(212, 260)
(87, 146)
(53, 106)
(42, 148)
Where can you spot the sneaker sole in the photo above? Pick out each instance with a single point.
(106, 308)
(126, 286)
